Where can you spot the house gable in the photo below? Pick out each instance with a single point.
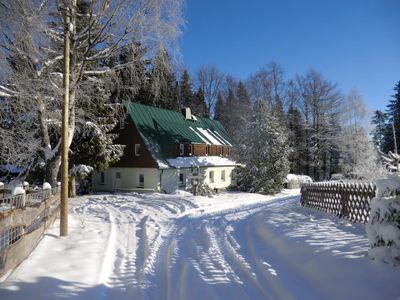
(130, 136)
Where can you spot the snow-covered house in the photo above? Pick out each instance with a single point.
(162, 147)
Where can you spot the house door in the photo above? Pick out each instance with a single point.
(117, 180)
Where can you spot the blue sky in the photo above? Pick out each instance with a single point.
(354, 43)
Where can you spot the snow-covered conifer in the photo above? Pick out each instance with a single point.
(264, 151)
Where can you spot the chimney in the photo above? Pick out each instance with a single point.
(186, 112)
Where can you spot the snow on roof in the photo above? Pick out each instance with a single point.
(204, 132)
(162, 164)
(226, 142)
(200, 136)
(201, 161)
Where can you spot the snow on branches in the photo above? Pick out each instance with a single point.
(383, 228)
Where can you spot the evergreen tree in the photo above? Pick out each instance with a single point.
(185, 90)
(264, 151)
(379, 121)
(198, 105)
(219, 113)
(297, 135)
(243, 98)
(163, 82)
(393, 122)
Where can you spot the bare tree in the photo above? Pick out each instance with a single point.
(31, 41)
(210, 81)
(268, 85)
(320, 102)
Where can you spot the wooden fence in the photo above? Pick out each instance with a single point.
(344, 199)
(23, 222)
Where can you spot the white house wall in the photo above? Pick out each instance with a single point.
(170, 178)
(218, 183)
(129, 179)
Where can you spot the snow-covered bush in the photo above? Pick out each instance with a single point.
(383, 228)
(80, 171)
(294, 181)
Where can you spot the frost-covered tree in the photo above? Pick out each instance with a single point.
(358, 155)
(163, 82)
(32, 47)
(264, 151)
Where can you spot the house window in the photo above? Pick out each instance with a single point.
(223, 175)
(121, 123)
(141, 180)
(137, 149)
(181, 149)
(102, 178)
(207, 150)
(211, 175)
(190, 149)
(220, 150)
(181, 179)
(118, 175)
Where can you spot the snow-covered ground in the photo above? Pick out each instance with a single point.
(232, 246)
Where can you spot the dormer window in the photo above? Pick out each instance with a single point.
(137, 149)
(181, 149)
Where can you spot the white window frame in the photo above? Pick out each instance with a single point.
(141, 184)
(102, 178)
(181, 149)
(223, 175)
(211, 176)
(137, 149)
(181, 182)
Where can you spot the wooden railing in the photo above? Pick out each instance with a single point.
(344, 199)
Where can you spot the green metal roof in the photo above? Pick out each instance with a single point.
(161, 129)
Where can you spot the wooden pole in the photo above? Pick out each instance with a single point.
(65, 127)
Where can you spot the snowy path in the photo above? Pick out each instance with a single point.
(233, 246)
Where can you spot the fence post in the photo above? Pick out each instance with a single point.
(344, 200)
(1, 190)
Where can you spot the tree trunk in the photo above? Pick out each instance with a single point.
(71, 187)
(52, 168)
